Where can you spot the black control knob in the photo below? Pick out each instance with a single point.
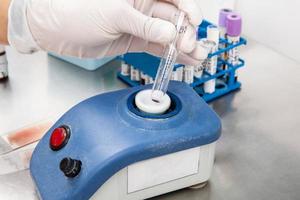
(70, 167)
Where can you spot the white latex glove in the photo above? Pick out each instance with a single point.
(99, 28)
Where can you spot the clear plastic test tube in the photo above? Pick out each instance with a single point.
(179, 71)
(188, 74)
(147, 79)
(3, 63)
(143, 78)
(167, 62)
(212, 63)
(222, 27)
(177, 75)
(125, 69)
(174, 76)
(234, 29)
(210, 66)
(201, 55)
(135, 74)
(198, 70)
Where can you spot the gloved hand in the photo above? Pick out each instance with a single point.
(98, 28)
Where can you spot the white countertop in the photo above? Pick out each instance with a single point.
(257, 157)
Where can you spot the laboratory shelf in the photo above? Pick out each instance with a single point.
(148, 64)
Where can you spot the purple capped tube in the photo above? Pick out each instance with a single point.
(222, 27)
(233, 31)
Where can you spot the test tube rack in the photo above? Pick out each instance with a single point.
(148, 64)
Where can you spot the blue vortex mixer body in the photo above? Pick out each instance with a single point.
(105, 148)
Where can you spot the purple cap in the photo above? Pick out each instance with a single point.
(234, 25)
(222, 16)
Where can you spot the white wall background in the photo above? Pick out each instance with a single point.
(210, 8)
(275, 23)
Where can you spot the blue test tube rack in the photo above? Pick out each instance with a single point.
(148, 64)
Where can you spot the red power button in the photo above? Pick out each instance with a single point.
(59, 138)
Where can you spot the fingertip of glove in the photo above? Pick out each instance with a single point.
(187, 42)
(160, 31)
(197, 19)
(193, 10)
(187, 59)
(186, 46)
(200, 52)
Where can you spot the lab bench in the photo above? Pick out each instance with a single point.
(257, 157)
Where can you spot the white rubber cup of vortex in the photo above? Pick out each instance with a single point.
(145, 103)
